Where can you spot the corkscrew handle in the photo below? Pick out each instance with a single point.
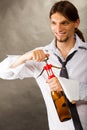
(48, 68)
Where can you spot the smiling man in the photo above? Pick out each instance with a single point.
(63, 29)
(67, 47)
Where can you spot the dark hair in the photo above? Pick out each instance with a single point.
(69, 11)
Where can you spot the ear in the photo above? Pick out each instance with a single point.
(77, 23)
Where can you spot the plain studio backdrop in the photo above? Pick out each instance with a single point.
(24, 25)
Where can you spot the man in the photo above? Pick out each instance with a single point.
(64, 21)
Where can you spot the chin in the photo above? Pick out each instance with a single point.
(62, 39)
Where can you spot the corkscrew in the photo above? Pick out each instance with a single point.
(59, 98)
(48, 68)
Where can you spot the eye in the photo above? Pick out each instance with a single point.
(65, 23)
(53, 22)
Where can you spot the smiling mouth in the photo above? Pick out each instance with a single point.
(60, 34)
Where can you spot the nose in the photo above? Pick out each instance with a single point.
(59, 27)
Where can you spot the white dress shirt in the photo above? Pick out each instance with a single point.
(77, 70)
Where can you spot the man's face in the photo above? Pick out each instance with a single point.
(62, 28)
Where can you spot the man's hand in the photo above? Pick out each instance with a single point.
(54, 84)
(36, 55)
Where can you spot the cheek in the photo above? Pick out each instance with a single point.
(72, 30)
(53, 28)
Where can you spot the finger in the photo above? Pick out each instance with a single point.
(47, 55)
(36, 55)
(51, 80)
(42, 56)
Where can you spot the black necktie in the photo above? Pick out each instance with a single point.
(63, 72)
(73, 109)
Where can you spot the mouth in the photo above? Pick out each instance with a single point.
(60, 34)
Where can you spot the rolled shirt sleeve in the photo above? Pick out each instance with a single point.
(73, 89)
(20, 72)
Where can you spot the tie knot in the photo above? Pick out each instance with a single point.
(63, 72)
(63, 64)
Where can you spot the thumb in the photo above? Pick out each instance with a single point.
(47, 55)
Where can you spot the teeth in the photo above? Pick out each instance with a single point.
(60, 34)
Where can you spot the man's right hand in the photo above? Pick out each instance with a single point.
(36, 55)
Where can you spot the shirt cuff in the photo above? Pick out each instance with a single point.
(71, 88)
(83, 91)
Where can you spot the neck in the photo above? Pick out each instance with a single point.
(65, 47)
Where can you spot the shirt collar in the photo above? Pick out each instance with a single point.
(79, 43)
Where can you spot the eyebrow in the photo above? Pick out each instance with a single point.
(61, 22)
